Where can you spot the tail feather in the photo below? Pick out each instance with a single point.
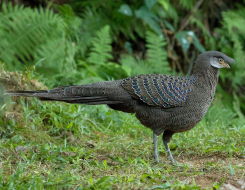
(46, 95)
(76, 100)
(80, 94)
(27, 93)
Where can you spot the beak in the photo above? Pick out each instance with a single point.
(225, 65)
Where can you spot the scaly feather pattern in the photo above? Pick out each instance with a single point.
(160, 90)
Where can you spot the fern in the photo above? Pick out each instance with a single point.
(235, 24)
(101, 47)
(156, 61)
(134, 66)
(62, 55)
(91, 22)
(231, 42)
(24, 30)
(235, 19)
(128, 62)
(157, 56)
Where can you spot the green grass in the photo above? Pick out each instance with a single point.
(53, 145)
(57, 145)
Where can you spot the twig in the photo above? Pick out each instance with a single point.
(170, 47)
(179, 67)
(186, 20)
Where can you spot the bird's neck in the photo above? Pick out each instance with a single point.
(207, 79)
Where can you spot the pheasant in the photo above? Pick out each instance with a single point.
(166, 104)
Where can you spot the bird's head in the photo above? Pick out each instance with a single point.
(216, 59)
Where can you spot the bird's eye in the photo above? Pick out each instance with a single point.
(221, 60)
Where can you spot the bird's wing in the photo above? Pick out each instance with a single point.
(160, 90)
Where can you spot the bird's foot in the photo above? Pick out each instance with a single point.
(171, 158)
(156, 158)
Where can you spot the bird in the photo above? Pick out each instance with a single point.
(164, 103)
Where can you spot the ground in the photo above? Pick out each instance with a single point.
(53, 145)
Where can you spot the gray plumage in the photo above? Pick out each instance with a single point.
(165, 104)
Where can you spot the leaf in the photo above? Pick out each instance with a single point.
(70, 125)
(164, 3)
(102, 180)
(101, 47)
(237, 16)
(186, 38)
(25, 31)
(156, 61)
(143, 176)
(38, 63)
(91, 22)
(162, 186)
(231, 169)
(149, 18)
(120, 159)
(150, 3)
(127, 62)
(168, 25)
(128, 47)
(188, 4)
(155, 52)
(125, 9)
(181, 37)
(111, 70)
(196, 42)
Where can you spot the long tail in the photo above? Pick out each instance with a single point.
(92, 94)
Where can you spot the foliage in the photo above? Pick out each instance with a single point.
(32, 34)
(57, 145)
(73, 43)
(156, 61)
(101, 47)
(235, 31)
(155, 53)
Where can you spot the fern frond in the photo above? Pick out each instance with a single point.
(156, 61)
(60, 51)
(91, 22)
(127, 62)
(134, 66)
(235, 19)
(24, 30)
(156, 55)
(235, 24)
(101, 46)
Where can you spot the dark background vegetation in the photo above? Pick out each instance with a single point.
(65, 42)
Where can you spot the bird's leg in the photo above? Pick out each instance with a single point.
(155, 147)
(169, 152)
(167, 135)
